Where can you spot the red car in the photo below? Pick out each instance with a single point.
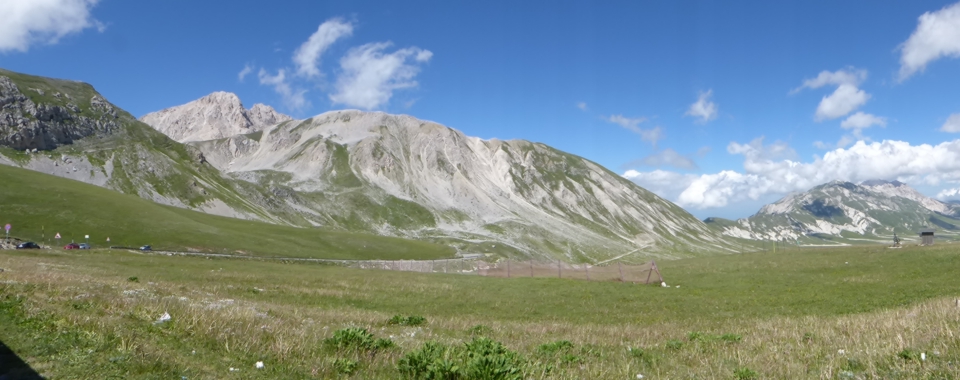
(72, 246)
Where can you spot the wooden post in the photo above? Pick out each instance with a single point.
(508, 268)
(620, 267)
(586, 268)
(653, 265)
(660, 276)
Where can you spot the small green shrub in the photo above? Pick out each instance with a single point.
(412, 320)
(807, 338)
(351, 338)
(554, 347)
(674, 344)
(480, 358)
(133, 279)
(345, 366)
(854, 365)
(731, 338)
(694, 336)
(744, 373)
(909, 354)
(480, 330)
(383, 343)
(635, 352)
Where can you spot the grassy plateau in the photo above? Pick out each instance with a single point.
(39, 205)
(864, 312)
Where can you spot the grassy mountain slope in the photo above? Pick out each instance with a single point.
(33, 203)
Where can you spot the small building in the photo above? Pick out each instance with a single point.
(926, 236)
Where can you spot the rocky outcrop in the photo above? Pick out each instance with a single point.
(215, 116)
(27, 125)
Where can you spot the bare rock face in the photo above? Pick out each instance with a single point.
(57, 120)
(215, 116)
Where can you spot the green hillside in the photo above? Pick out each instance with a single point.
(40, 205)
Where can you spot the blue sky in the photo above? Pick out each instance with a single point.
(719, 107)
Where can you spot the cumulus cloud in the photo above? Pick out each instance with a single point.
(703, 109)
(937, 35)
(666, 158)
(292, 99)
(862, 120)
(768, 170)
(370, 76)
(247, 69)
(582, 106)
(27, 22)
(844, 100)
(952, 125)
(633, 124)
(307, 56)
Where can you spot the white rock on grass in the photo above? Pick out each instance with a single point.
(258, 365)
(163, 318)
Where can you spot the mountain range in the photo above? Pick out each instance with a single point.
(843, 212)
(347, 170)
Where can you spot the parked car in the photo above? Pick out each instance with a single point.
(84, 246)
(72, 246)
(28, 245)
(146, 248)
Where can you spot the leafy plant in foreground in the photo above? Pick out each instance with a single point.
(481, 359)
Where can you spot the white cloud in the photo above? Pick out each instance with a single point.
(937, 35)
(703, 151)
(582, 106)
(369, 76)
(626, 122)
(26, 22)
(307, 56)
(768, 172)
(703, 109)
(247, 69)
(633, 124)
(952, 124)
(844, 100)
(292, 99)
(664, 183)
(849, 76)
(862, 120)
(949, 194)
(666, 158)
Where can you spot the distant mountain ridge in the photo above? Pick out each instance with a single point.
(843, 211)
(215, 116)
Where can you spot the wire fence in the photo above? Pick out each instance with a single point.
(647, 273)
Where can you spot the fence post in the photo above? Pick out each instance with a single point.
(586, 268)
(620, 267)
(653, 265)
(508, 268)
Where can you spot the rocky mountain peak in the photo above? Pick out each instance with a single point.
(215, 116)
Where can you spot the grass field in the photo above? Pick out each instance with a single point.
(851, 313)
(40, 205)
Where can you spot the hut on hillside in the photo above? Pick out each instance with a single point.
(926, 236)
